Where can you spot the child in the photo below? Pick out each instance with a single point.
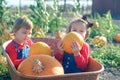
(18, 48)
(76, 62)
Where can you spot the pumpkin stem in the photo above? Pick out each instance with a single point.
(37, 67)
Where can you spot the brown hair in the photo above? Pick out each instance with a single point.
(77, 20)
(24, 22)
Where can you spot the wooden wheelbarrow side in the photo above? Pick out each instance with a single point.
(92, 72)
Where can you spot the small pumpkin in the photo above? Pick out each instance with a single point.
(117, 37)
(40, 48)
(57, 36)
(39, 32)
(40, 65)
(69, 38)
(3, 60)
(99, 41)
(95, 24)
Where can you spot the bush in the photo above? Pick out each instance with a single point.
(3, 66)
(106, 27)
(109, 56)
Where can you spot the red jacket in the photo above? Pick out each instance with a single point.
(81, 60)
(11, 50)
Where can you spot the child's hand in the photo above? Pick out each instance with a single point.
(76, 48)
(60, 47)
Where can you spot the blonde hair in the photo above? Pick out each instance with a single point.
(22, 22)
(78, 20)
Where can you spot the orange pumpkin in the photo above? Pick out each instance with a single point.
(57, 36)
(117, 37)
(40, 65)
(69, 38)
(99, 40)
(40, 48)
(95, 25)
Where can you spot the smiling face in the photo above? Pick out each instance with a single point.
(22, 35)
(80, 28)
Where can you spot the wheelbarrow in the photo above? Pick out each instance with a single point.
(92, 73)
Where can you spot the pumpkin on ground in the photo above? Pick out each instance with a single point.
(40, 48)
(39, 32)
(57, 36)
(117, 37)
(3, 60)
(40, 65)
(69, 38)
(95, 25)
(99, 41)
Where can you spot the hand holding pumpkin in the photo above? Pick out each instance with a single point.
(68, 40)
(75, 48)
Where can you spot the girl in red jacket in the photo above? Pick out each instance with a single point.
(76, 62)
(18, 48)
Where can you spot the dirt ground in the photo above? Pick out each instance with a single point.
(110, 73)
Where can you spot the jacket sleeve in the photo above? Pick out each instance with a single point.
(13, 55)
(82, 59)
(30, 42)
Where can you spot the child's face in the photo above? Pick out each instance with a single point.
(80, 28)
(22, 35)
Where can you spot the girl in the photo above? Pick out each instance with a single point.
(76, 62)
(18, 48)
